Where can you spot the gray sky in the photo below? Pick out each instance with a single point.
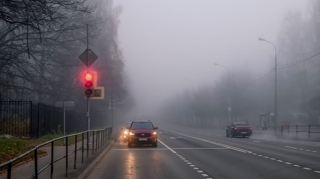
(166, 41)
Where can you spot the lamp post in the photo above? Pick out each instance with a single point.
(275, 122)
(191, 84)
(229, 91)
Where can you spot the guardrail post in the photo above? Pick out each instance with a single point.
(66, 156)
(82, 147)
(75, 151)
(52, 154)
(92, 142)
(36, 163)
(87, 144)
(97, 140)
(9, 170)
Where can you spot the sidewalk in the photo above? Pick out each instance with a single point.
(27, 170)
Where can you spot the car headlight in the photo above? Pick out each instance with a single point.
(125, 132)
(131, 133)
(154, 133)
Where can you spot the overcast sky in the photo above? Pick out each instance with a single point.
(166, 41)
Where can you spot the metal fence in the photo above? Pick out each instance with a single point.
(26, 119)
(98, 138)
(300, 130)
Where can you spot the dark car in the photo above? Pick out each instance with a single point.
(239, 129)
(126, 131)
(142, 132)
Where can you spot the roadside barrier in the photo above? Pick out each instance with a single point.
(98, 137)
(309, 129)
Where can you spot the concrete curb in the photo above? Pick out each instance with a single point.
(86, 173)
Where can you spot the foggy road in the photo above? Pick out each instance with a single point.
(200, 154)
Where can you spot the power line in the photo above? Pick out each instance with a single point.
(264, 75)
(298, 62)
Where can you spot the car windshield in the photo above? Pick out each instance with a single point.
(241, 124)
(142, 125)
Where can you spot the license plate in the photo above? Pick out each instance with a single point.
(143, 139)
(243, 132)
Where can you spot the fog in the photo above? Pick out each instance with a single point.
(171, 45)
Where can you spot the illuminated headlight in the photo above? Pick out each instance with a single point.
(125, 132)
(131, 133)
(154, 133)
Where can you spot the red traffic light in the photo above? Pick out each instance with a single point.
(88, 77)
(89, 83)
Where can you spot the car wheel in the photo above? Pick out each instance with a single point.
(155, 144)
(227, 134)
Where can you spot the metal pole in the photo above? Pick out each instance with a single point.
(229, 91)
(275, 119)
(275, 90)
(64, 123)
(88, 103)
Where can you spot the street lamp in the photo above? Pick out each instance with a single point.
(229, 91)
(191, 84)
(275, 84)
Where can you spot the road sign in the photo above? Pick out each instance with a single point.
(84, 57)
(268, 109)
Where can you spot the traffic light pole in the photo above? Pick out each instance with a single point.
(88, 101)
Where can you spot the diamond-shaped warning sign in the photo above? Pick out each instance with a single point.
(88, 61)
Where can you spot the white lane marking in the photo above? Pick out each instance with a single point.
(256, 141)
(184, 159)
(290, 147)
(301, 149)
(143, 149)
(242, 150)
(212, 142)
(167, 147)
(199, 148)
(172, 138)
(205, 175)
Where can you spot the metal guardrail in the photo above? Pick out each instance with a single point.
(300, 129)
(99, 138)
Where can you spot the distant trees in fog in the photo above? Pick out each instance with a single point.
(298, 83)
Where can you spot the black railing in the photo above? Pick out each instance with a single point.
(26, 119)
(298, 129)
(98, 138)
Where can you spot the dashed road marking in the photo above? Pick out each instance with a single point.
(249, 152)
(185, 160)
(301, 149)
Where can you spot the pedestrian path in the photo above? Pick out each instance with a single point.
(64, 168)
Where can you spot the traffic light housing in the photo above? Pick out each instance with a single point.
(92, 90)
(89, 84)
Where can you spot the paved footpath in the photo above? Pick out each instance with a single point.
(74, 170)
